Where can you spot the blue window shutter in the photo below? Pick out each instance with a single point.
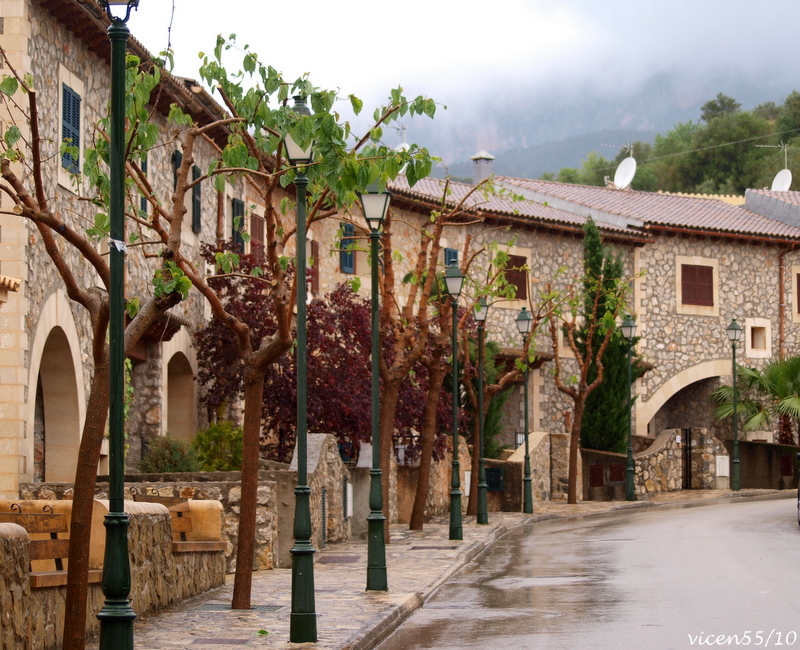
(177, 161)
(70, 126)
(196, 201)
(347, 256)
(450, 256)
(143, 201)
(237, 211)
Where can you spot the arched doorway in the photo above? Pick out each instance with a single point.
(57, 421)
(181, 412)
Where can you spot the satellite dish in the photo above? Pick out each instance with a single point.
(782, 181)
(625, 173)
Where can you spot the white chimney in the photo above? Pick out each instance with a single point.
(481, 166)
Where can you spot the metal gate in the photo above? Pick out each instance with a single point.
(686, 439)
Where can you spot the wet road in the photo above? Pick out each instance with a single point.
(644, 579)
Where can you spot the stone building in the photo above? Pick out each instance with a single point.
(45, 360)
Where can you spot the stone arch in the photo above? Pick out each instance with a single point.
(179, 366)
(56, 365)
(645, 411)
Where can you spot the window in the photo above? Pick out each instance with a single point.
(177, 161)
(196, 224)
(450, 256)
(697, 284)
(347, 255)
(257, 237)
(517, 275)
(237, 212)
(758, 338)
(143, 200)
(70, 127)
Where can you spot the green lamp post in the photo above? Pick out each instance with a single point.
(374, 205)
(454, 280)
(480, 312)
(116, 616)
(628, 328)
(303, 618)
(524, 323)
(734, 332)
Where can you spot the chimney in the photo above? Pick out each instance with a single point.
(481, 166)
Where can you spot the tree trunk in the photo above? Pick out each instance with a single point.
(82, 506)
(253, 398)
(436, 375)
(472, 500)
(574, 443)
(389, 398)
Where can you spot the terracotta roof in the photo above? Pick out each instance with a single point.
(9, 284)
(785, 197)
(651, 209)
(431, 189)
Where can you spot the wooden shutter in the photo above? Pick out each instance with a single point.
(70, 126)
(196, 215)
(314, 271)
(237, 221)
(257, 238)
(450, 256)
(697, 285)
(347, 256)
(517, 275)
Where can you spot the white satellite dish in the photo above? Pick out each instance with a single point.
(625, 173)
(782, 181)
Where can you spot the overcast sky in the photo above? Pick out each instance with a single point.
(458, 53)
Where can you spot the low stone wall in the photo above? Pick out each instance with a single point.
(225, 487)
(438, 500)
(705, 448)
(33, 618)
(549, 457)
(510, 499)
(603, 475)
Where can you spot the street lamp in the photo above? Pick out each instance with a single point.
(734, 332)
(480, 312)
(303, 618)
(454, 279)
(628, 328)
(116, 616)
(524, 322)
(374, 205)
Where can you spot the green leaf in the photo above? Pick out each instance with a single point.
(355, 284)
(8, 86)
(12, 135)
(356, 103)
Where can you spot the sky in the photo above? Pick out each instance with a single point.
(468, 55)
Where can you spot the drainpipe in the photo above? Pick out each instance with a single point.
(781, 301)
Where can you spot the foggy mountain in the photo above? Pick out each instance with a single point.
(531, 132)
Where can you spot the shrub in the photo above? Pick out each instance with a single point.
(167, 455)
(219, 447)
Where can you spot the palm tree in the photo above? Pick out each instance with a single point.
(763, 395)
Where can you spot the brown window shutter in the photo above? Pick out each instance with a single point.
(697, 285)
(257, 238)
(517, 275)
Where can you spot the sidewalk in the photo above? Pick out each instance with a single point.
(348, 616)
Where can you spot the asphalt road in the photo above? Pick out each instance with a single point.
(726, 575)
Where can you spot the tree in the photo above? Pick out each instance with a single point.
(599, 303)
(721, 105)
(773, 392)
(71, 247)
(604, 423)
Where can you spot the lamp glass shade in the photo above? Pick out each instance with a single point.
(132, 3)
(524, 321)
(454, 278)
(481, 310)
(374, 205)
(628, 328)
(296, 154)
(734, 331)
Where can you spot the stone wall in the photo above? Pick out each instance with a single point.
(549, 458)
(33, 618)
(510, 499)
(705, 448)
